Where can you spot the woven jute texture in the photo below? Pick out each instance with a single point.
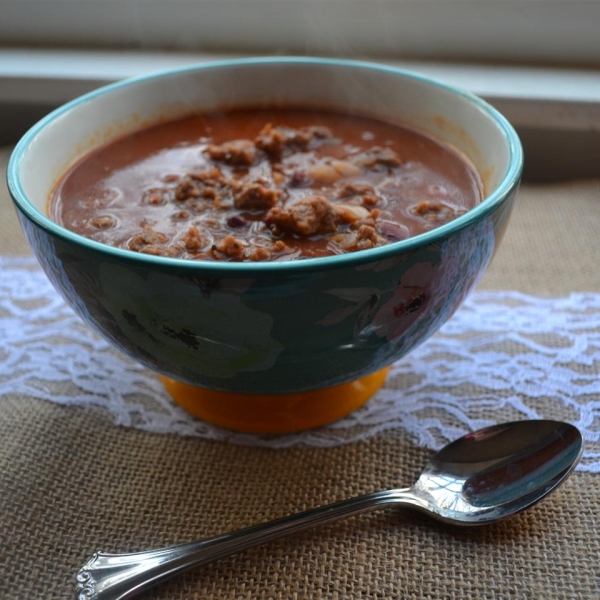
(72, 483)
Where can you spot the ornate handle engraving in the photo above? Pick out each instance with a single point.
(122, 576)
(85, 583)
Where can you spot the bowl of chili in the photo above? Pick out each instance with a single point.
(268, 234)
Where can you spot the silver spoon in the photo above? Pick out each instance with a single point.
(483, 477)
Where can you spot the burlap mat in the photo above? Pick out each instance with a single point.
(71, 483)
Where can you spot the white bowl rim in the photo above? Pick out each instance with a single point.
(505, 188)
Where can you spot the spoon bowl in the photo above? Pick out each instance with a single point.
(497, 472)
(483, 477)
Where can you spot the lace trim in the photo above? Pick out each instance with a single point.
(503, 356)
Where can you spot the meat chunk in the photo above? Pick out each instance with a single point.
(359, 191)
(153, 242)
(209, 177)
(180, 215)
(279, 246)
(257, 253)
(230, 246)
(363, 238)
(370, 200)
(308, 216)
(435, 212)
(187, 189)
(147, 237)
(192, 240)
(276, 140)
(237, 152)
(155, 197)
(255, 196)
(350, 189)
(159, 250)
(208, 184)
(377, 157)
(364, 217)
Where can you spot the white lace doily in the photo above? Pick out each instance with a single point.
(503, 356)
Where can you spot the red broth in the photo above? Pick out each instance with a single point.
(264, 185)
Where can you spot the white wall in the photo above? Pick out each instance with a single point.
(556, 31)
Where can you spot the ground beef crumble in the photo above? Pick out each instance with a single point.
(277, 140)
(362, 191)
(145, 238)
(237, 152)
(435, 212)
(153, 242)
(160, 250)
(193, 240)
(230, 246)
(348, 190)
(209, 177)
(257, 253)
(363, 238)
(255, 196)
(187, 189)
(155, 196)
(309, 216)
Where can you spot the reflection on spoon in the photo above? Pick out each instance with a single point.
(483, 477)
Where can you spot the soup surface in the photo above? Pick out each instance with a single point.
(264, 185)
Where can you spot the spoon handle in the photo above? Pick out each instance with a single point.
(122, 576)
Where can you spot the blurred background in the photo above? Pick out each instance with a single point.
(538, 61)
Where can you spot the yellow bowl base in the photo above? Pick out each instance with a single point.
(279, 413)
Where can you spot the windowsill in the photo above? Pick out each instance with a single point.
(548, 106)
(541, 97)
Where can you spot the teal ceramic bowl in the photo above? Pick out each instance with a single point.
(269, 328)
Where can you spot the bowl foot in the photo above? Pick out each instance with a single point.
(278, 413)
